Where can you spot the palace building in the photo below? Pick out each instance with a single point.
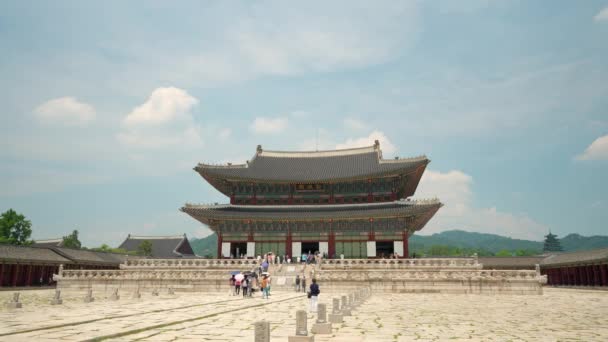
(349, 202)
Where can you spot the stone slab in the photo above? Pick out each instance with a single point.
(336, 318)
(310, 338)
(321, 328)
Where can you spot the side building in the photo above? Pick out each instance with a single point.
(348, 202)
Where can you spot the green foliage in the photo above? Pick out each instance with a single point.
(145, 248)
(504, 253)
(108, 249)
(14, 228)
(71, 241)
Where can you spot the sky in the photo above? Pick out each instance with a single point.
(107, 106)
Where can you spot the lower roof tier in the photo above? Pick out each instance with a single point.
(415, 213)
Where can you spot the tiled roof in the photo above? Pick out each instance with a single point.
(83, 256)
(11, 253)
(573, 258)
(162, 246)
(314, 166)
(510, 262)
(204, 213)
(48, 243)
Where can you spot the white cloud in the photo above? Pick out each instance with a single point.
(163, 105)
(224, 134)
(65, 110)
(262, 125)
(386, 145)
(454, 189)
(354, 124)
(164, 120)
(601, 15)
(598, 150)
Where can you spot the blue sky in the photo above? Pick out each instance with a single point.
(106, 108)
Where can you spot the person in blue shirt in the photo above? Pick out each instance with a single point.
(314, 295)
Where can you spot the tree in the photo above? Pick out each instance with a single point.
(552, 243)
(108, 249)
(145, 248)
(503, 253)
(71, 241)
(14, 228)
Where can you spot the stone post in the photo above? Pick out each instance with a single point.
(89, 297)
(335, 316)
(345, 308)
(14, 303)
(321, 326)
(136, 294)
(155, 292)
(261, 331)
(115, 295)
(170, 291)
(301, 329)
(57, 298)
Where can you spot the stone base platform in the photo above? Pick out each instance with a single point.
(321, 328)
(459, 275)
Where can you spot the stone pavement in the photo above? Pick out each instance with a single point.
(558, 314)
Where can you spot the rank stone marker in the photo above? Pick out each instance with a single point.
(335, 316)
(136, 294)
(321, 326)
(345, 309)
(301, 329)
(261, 331)
(14, 303)
(89, 297)
(114, 295)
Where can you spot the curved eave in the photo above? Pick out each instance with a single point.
(421, 211)
(221, 182)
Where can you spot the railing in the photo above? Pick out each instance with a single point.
(400, 263)
(188, 263)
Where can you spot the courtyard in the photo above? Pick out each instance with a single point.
(557, 315)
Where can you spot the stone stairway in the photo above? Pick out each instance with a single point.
(284, 275)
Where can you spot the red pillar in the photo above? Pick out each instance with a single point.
(331, 248)
(604, 273)
(589, 274)
(1, 275)
(596, 275)
(29, 276)
(15, 274)
(289, 244)
(406, 247)
(370, 196)
(232, 198)
(219, 245)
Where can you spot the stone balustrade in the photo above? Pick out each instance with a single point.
(469, 263)
(246, 264)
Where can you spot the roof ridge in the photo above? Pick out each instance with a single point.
(341, 205)
(316, 154)
(47, 240)
(140, 237)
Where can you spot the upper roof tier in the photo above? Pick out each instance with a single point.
(318, 166)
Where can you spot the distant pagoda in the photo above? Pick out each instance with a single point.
(349, 202)
(552, 243)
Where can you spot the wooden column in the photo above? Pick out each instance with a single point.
(289, 243)
(589, 275)
(370, 196)
(1, 275)
(406, 245)
(15, 274)
(331, 243)
(254, 199)
(596, 275)
(219, 244)
(28, 282)
(604, 274)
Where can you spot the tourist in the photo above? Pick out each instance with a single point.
(245, 286)
(264, 286)
(237, 286)
(298, 283)
(314, 295)
(303, 257)
(232, 281)
(303, 281)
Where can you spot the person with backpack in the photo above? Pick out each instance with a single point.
(314, 295)
(298, 283)
(303, 281)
